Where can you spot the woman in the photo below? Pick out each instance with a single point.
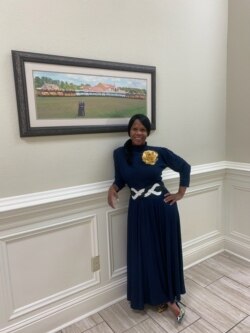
(154, 253)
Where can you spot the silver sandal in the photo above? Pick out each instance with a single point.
(181, 314)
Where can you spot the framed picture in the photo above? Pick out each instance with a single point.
(59, 95)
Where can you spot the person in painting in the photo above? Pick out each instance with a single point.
(154, 252)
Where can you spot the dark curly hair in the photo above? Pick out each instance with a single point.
(128, 144)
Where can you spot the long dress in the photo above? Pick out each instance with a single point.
(154, 251)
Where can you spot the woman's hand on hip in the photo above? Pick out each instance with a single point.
(112, 195)
(171, 198)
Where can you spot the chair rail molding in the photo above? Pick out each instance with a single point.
(88, 190)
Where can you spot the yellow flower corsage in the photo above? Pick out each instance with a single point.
(150, 157)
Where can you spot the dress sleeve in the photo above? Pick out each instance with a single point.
(177, 164)
(118, 181)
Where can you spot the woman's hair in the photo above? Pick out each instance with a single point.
(128, 144)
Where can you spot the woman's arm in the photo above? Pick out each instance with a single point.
(179, 165)
(118, 183)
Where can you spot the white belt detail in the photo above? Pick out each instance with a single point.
(141, 191)
(152, 190)
(137, 193)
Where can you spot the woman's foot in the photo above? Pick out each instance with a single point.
(177, 310)
(162, 307)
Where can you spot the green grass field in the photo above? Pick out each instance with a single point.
(95, 107)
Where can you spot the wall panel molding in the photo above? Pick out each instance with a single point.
(237, 197)
(15, 242)
(116, 225)
(214, 216)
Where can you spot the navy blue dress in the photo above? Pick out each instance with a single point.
(154, 251)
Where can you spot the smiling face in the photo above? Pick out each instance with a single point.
(138, 133)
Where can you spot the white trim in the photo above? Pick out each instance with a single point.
(53, 196)
(237, 255)
(240, 236)
(199, 241)
(210, 167)
(237, 247)
(237, 166)
(113, 273)
(77, 301)
(201, 247)
(198, 261)
(95, 279)
(86, 315)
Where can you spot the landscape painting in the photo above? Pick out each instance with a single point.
(62, 95)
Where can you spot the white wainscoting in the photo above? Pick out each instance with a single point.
(48, 240)
(237, 215)
(117, 239)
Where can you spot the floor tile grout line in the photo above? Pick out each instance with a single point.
(227, 301)
(157, 322)
(106, 322)
(229, 277)
(136, 325)
(187, 277)
(109, 326)
(219, 271)
(236, 324)
(183, 327)
(205, 320)
(190, 324)
(193, 310)
(215, 281)
(129, 327)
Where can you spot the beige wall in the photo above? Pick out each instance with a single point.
(238, 94)
(185, 40)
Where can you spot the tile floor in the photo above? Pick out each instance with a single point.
(217, 300)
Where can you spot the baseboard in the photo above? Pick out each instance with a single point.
(205, 248)
(60, 316)
(237, 248)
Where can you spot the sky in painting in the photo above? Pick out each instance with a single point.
(81, 79)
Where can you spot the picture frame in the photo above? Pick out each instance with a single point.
(58, 95)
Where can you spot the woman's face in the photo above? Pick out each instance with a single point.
(138, 133)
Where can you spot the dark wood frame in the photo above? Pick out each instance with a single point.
(26, 130)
